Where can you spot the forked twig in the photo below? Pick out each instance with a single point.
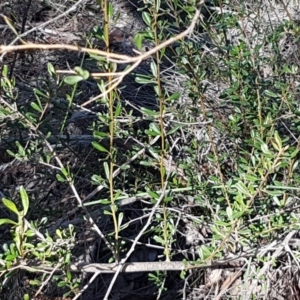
(113, 57)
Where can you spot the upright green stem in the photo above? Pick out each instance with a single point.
(161, 123)
(111, 130)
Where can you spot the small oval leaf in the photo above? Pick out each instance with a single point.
(138, 40)
(99, 147)
(73, 79)
(147, 18)
(10, 205)
(25, 200)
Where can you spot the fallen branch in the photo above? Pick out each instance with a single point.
(131, 267)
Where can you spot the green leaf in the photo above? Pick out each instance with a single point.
(251, 178)
(40, 93)
(35, 106)
(60, 178)
(138, 40)
(99, 147)
(118, 110)
(21, 150)
(155, 128)
(11, 153)
(26, 297)
(295, 165)
(294, 153)
(28, 245)
(147, 163)
(114, 208)
(106, 170)
(157, 91)
(229, 212)
(274, 193)
(61, 284)
(97, 57)
(162, 52)
(276, 200)
(278, 139)
(51, 69)
(144, 80)
(110, 10)
(72, 79)
(67, 261)
(83, 73)
(242, 188)
(237, 215)
(174, 96)
(11, 257)
(265, 149)
(7, 221)
(149, 112)
(5, 71)
(221, 223)
(175, 3)
(25, 200)
(158, 239)
(64, 171)
(103, 201)
(147, 18)
(151, 133)
(34, 282)
(10, 205)
(96, 179)
(99, 134)
(157, 5)
(271, 94)
(18, 242)
(177, 127)
(30, 233)
(153, 68)
(275, 145)
(58, 233)
(293, 188)
(153, 195)
(120, 219)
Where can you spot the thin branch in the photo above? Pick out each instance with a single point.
(132, 248)
(71, 9)
(87, 285)
(47, 279)
(117, 58)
